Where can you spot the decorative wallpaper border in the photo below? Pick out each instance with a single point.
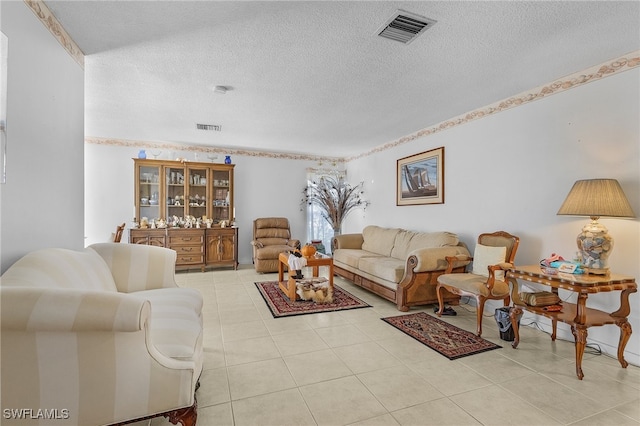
(46, 17)
(627, 62)
(209, 150)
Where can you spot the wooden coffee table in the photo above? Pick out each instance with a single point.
(315, 261)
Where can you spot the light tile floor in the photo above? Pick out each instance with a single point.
(351, 368)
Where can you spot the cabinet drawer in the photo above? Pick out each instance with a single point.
(189, 250)
(190, 259)
(190, 239)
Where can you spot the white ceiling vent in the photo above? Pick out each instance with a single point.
(405, 26)
(209, 127)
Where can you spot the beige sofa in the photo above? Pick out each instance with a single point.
(401, 266)
(98, 336)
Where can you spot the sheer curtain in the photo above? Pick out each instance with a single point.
(317, 227)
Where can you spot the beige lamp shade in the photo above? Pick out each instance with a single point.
(596, 198)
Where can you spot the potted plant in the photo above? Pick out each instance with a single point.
(335, 198)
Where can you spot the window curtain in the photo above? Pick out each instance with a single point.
(317, 226)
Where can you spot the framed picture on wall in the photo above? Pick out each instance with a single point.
(420, 178)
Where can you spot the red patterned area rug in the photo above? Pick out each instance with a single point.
(281, 306)
(442, 337)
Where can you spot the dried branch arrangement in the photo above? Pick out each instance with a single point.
(335, 198)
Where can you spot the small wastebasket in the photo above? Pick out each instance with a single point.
(504, 323)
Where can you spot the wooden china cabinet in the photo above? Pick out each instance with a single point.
(168, 193)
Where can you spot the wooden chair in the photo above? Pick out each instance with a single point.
(493, 254)
(118, 234)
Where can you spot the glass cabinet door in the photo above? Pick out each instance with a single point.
(174, 192)
(197, 192)
(221, 198)
(148, 191)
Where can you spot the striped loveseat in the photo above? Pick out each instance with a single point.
(98, 336)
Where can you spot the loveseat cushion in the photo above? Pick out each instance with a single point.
(379, 240)
(176, 323)
(352, 257)
(387, 268)
(61, 268)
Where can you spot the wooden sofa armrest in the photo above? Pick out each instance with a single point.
(347, 241)
(435, 259)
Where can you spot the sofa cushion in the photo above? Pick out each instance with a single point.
(387, 268)
(379, 240)
(401, 244)
(272, 227)
(351, 257)
(484, 256)
(475, 284)
(272, 252)
(176, 323)
(263, 242)
(408, 241)
(61, 268)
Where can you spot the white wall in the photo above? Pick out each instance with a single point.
(264, 187)
(42, 201)
(511, 171)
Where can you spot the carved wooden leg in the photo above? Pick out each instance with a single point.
(581, 340)
(554, 328)
(185, 416)
(514, 314)
(440, 300)
(479, 312)
(625, 334)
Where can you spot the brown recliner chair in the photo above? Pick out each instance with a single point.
(271, 236)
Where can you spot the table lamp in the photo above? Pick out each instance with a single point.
(596, 198)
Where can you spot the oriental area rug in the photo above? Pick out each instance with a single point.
(281, 306)
(442, 337)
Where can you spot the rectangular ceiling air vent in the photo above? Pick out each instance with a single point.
(405, 26)
(209, 127)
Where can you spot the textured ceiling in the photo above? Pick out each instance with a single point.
(313, 77)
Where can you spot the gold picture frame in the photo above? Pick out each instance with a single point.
(420, 178)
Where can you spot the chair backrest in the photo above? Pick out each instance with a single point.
(118, 235)
(271, 230)
(501, 239)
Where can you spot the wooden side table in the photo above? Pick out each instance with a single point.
(289, 286)
(577, 315)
